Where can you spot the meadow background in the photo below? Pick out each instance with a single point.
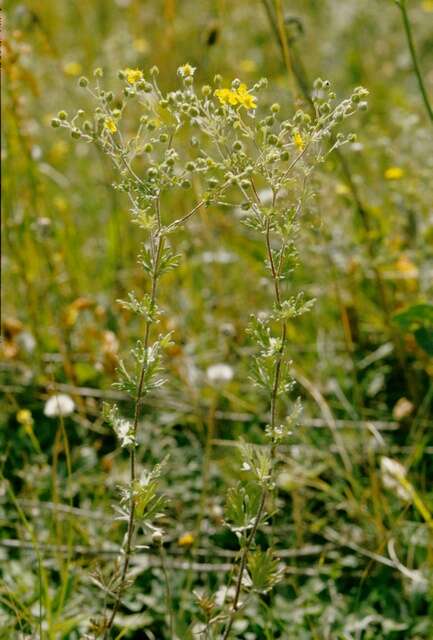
(354, 535)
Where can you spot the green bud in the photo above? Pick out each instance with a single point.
(363, 106)
(154, 71)
(206, 90)
(218, 79)
(98, 73)
(237, 145)
(83, 82)
(285, 156)
(186, 184)
(148, 148)
(275, 108)
(76, 133)
(55, 123)
(62, 115)
(163, 137)
(272, 139)
(190, 166)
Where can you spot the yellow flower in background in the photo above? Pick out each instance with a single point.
(24, 417)
(186, 540)
(133, 75)
(110, 124)
(72, 68)
(247, 65)
(141, 45)
(186, 71)
(342, 189)
(298, 140)
(60, 203)
(59, 151)
(427, 6)
(394, 173)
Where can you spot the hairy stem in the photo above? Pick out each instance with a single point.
(157, 246)
(243, 564)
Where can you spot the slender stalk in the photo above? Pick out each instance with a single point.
(137, 411)
(276, 271)
(243, 564)
(408, 31)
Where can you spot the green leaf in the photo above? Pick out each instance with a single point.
(418, 320)
(263, 570)
(415, 316)
(242, 505)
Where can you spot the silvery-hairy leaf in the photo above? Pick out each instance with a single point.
(263, 570)
(242, 505)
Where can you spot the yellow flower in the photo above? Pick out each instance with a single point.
(394, 173)
(427, 6)
(240, 96)
(186, 540)
(298, 140)
(24, 417)
(133, 75)
(72, 68)
(225, 96)
(110, 124)
(186, 71)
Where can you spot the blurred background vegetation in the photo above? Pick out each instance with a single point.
(356, 543)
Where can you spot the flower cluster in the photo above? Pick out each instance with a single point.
(237, 96)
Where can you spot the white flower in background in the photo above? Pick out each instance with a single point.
(59, 405)
(26, 341)
(218, 373)
(220, 257)
(394, 477)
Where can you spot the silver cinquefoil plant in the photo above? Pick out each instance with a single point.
(235, 155)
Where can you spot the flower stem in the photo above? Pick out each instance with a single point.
(243, 564)
(137, 408)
